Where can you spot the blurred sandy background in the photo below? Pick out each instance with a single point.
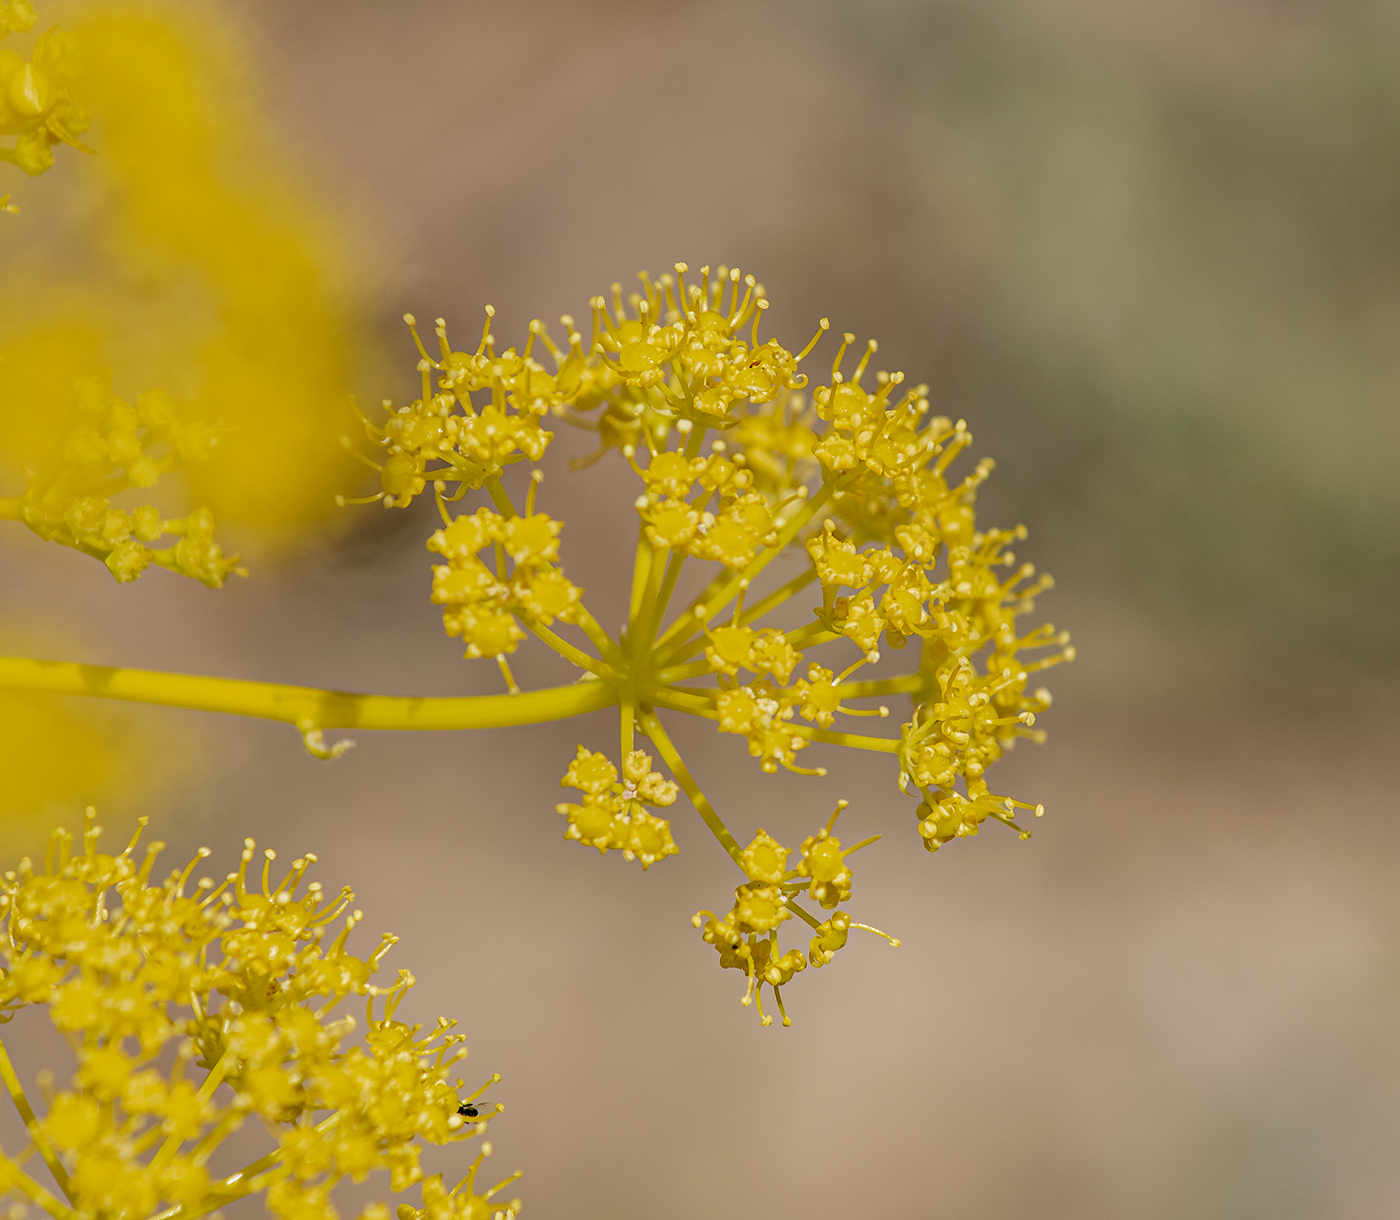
(1151, 252)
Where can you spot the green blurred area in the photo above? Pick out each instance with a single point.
(1179, 233)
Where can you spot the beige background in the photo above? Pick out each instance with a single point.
(1149, 250)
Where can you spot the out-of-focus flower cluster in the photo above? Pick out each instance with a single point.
(189, 256)
(112, 446)
(741, 460)
(194, 1008)
(36, 105)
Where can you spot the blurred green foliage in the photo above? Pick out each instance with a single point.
(1183, 227)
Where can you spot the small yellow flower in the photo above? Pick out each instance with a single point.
(825, 863)
(830, 938)
(648, 838)
(765, 859)
(532, 540)
(589, 772)
(597, 822)
(730, 648)
(670, 475)
(611, 816)
(857, 618)
(650, 786)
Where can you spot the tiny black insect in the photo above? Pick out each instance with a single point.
(467, 1110)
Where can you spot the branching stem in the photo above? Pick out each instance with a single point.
(651, 726)
(566, 650)
(700, 703)
(15, 1178)
(688, 624)
(31, 1124)
(304, 706)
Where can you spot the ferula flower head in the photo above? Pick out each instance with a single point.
(851, 476)
(194, 1009)
(745, 454)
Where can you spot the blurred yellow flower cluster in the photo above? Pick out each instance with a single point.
(36, 105)
(187, 256)
(196, 1007)
(114, 446)
(204, 267)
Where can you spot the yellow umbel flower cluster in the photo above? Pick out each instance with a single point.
(611, 816)
(196, 1008)
(473, 441)
(485, 605)
(747, 937)
(114, 446)
(741, 461)
(35, 103)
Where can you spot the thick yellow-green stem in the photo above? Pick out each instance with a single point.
(574, 656)
(903, 685)
(499, 496)
(641, 570)
(805, 916)
(303, 706)
(212, 1081)
(600, 639)
(627, 734)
